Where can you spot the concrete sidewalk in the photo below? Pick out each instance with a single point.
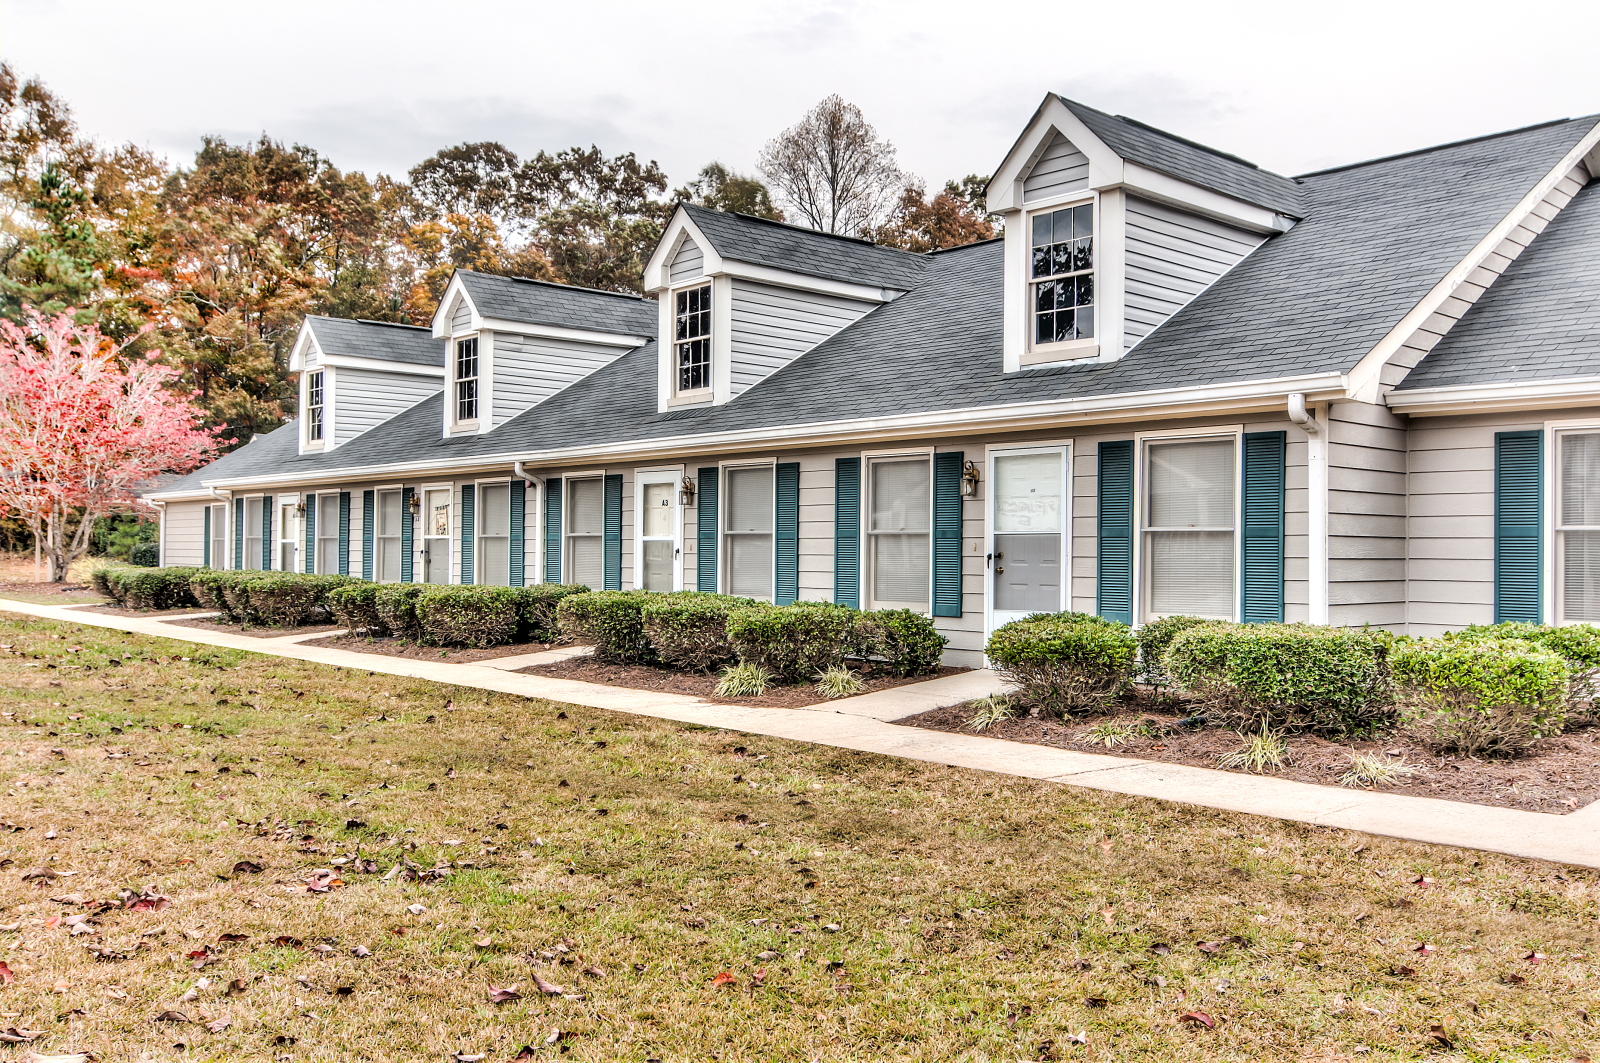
(862, 723)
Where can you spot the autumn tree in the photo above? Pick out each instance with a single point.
(832, 171)
(597, 218)
(720, 188)
(949, 219)
(480, 179)
(83, 427)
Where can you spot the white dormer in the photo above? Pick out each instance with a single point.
(354, 375)
(741, 297)
(512, 342)
(1104, 241)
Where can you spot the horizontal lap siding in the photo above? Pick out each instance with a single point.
(365, 398)
(687, 264)
(461, 316)
(1367, 512)
(1061, 168)
(773, 326)
(527, 371)
(183, 534)
(1173, 256)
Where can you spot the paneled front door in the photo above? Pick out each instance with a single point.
(436, 534)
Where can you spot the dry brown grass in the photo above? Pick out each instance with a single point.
(866, 908)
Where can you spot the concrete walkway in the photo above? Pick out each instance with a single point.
(862, 723)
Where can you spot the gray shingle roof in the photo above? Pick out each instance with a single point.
(1540, 320)
(376, 339)
(534, 302)
(760, 242)
(1188, 161)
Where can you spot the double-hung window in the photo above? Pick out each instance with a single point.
(586, 526)
(691, 346)
(253, 541)
(1061, 275)
(1190, 516)
(1578, 527)
(327, 559)
(898, 543)
(466, 380)
(315, 407)
(219, 536)
(494, 534)
(747, 523)
(390, 516)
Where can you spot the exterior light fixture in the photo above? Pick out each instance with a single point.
(300, 507)
(686, 491)
(969, 480)
(416, 504)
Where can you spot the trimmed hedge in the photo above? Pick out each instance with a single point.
(795, 642)
(612, 620)
(1288, 677)
(536, 610)
(396, 605)
(689, 629)
(1065, 663)
(355, 605)
(1578, 643)
(149, 588)
(905, 642)
(1155, 638)
(1481, 697)
(101, 580)
(475, 616)
(288, 599)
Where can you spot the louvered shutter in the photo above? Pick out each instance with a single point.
(947, 467)
(1261, 584)
(469, 522)
(847, 532)
(407, 534)
(344, 533)
(613, 532)
(206, 530)
(1114, 528)
(311, 534)
(517, 566)
(706, 531)
(369, 520)
(552, 530)
(238, 533)
(1519, 526)
(266, 532)
(786, 542)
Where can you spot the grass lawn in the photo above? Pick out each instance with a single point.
(686, 894)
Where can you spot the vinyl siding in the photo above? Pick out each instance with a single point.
(687, 264)
(1061, 168)
(183, 533)
(1173, 256)
(365, 398)
(528, 370)
(1367, 509)
(461, 316)
(772, 326)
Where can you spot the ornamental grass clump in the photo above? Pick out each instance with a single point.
(744, 681)
(1065, 663)
(472, 616)
(1481, 697)
(612, 620)
(795, 642)
(839, 683)
(688, 630)
(1285, 677)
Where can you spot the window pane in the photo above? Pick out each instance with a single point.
(1082, 222)
(1085, 322)
(750, 565)
(1190, 484)
(1027, 491)
(749, 500)
(657, 574)
(327, 556)
(494, 560)
(388, 559)
(1191, 573)
(900, 566)
(586, 499)
(494, 517)
(1580, 479)
(586, 560)
(1041, 230)
(1044, 328)
(656, 520)
(901, 495)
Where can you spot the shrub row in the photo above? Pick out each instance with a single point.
(474, 616)
(273, 599)
(146, 588)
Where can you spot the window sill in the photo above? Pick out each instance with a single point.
(461, 428)
(690, 398)
(1071, 351)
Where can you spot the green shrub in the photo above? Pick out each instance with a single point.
(1286, 677)
(1481, 697)
(153, 588)
(355, 605)
(209, 587)
(795, 642)
(536, 610)
(612, 621)
(1065, 663)
(290, 599)
(396, 605)
(476, 616)
(1578, 643)
(1154, 640)
(104, 583)
(907, 642)
(744, 681)
(145, 555)
(689, 629)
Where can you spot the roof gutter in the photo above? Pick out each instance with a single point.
(1497, 397)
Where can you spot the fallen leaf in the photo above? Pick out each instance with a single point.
(547, 988)
(1534, 957)
(7, 975)
(469, 1057)
(43, 874)
(14, 1035)
(361, 952)
(172, 1016)
(247, 867)
(149, 902)
(71, 1057)
(1198, 1018)
(503, 994)
(725, 978)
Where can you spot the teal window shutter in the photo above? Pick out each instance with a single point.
(310, 563)
(1261, 553)
(786, 538)
(517, 567)
(266, 532)
(238, 533)
(206, 531)
(1114, 527)
(1519, 526)
(407, 532)
(705, 541)
(344, 533)
(552, 530)
(847, 532)
(611, 550)
(369, 517)
(469, 520)
(947, 466)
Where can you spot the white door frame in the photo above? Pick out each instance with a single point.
(449, 492)
(296, 542)
(1064, 448)
(671, 477)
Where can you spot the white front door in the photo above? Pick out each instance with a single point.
(288, 535)
(436, 534)
(1028, 544)
(656, 559)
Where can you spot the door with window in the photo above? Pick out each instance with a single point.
(1028, 520)
(288, 535)
(659, 526)
(436, 502)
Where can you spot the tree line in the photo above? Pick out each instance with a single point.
(216, 261)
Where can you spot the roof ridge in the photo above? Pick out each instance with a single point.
(800, 228)
(366, 321)
(1447, 144)
(1207, 148)
(554, 284)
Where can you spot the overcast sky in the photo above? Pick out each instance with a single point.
(378, 86)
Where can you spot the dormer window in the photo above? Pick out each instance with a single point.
(315, 407)
(1061, 275)
(692, 339)
(466, 381)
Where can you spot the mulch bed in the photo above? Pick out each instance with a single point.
(255, 632)
(667, 681)
(1561, 774)
(122, 610)
(406, 648)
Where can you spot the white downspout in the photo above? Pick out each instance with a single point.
(539, 494)
(1316, 508)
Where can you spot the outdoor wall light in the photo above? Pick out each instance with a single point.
(969, 480)
(300, 507)
(416, 503)
(686, 492)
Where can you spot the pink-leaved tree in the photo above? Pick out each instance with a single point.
(83, 426)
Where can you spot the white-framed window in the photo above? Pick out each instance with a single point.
(585, 531)
(465, 374)
(1061, 275)
(898, 540)
(253, 509)
(1189, 517)
(316, 408)
(288, 534)
(494, 534)
(219, 536)
(691, 340)
(387, 542)
(749, 511)
(1577, 527)
(327, 559)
